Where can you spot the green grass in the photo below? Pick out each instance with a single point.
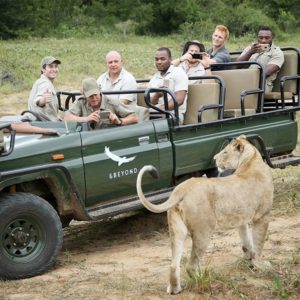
(86, 57)
(281, 281)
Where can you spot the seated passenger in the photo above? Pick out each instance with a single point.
(42, 99)
(265, 52)
(169, 76)
(89, 107)
(117, 79)
(218, 52)
(194, 66)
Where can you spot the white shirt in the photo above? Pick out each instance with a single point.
(177, 81)
(125, 81)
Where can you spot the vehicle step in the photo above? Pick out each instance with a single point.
(285, 160)
(103, 211)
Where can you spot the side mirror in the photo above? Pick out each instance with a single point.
(7, 140)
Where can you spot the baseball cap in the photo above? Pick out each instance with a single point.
(90, 87)
(47, 60)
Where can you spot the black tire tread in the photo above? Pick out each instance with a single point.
(8, 202)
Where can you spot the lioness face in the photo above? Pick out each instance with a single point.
(229, 157)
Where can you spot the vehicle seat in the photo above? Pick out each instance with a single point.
(199, 95)
(142, 113)
(289, 68)
(236, 82)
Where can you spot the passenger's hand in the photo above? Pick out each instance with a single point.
(186, 56)
(205, 61)
(47, 98)
(255, 48)
(155, 97)
(94, 116)
(114, 119)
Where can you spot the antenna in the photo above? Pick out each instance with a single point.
(67, 129)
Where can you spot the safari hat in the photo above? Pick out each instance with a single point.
(90, 87)
(48, 60)
(193, 42)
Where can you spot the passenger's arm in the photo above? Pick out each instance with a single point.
(23, 127)
(129, 84)
(245, 56)
(130, 119)
(187, 56)
(180, 96)
(271, 69)
(94, 116)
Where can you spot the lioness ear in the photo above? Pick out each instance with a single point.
(242, 136)
(239, 146)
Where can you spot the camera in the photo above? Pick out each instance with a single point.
(197, 56)
(264, 47)
(104, 114)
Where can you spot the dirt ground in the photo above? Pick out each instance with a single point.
(129, 258)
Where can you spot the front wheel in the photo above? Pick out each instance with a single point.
(30, 235)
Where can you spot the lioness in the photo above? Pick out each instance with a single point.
(200, 205)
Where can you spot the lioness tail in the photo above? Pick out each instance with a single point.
(155, 208)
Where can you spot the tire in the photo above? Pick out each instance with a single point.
(30, 235)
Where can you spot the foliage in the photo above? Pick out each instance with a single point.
(66, 18)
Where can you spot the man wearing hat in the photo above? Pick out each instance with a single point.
(90, 108)
(42, 99)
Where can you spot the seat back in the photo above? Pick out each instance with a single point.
(142, 113)
(236, 81)
(290, 67)
(199, 95)
(141, 99)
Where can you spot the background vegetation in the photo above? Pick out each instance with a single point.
(64, 18)
(81, 32)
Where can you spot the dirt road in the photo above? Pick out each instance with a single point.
(129, 258)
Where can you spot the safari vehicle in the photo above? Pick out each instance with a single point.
(85, 174)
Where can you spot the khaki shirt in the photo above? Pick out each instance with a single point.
(82, 108)
(197, 70)
(274, 56)
(50, 110)
(177, 81)
(125, 81)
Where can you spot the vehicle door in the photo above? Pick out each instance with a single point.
(113, 157)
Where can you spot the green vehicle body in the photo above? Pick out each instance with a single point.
(175, 151)
(86, 174)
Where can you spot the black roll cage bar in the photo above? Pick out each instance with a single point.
(71, 96)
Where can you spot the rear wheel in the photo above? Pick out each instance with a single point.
(30, 235)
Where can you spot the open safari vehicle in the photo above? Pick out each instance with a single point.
(77, 172)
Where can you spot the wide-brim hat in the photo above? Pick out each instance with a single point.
(90, 87)
(193, 42)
